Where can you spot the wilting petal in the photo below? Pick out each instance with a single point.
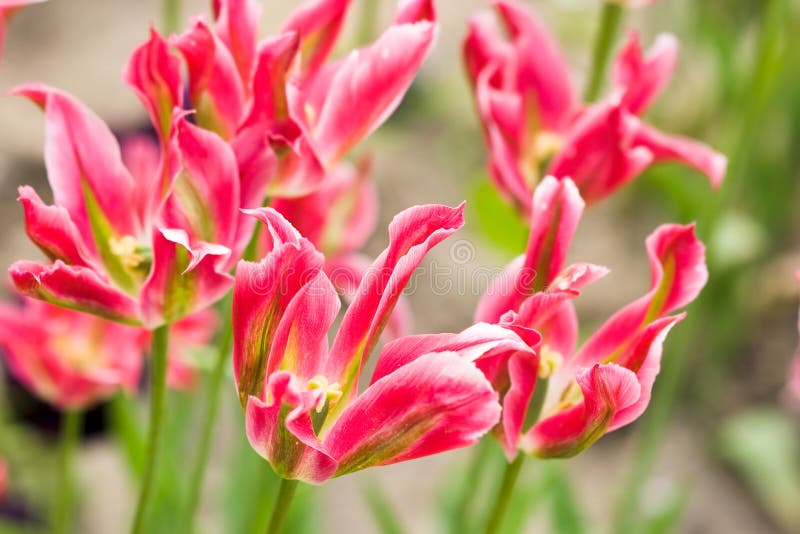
(155, 74)
(186, 276)
(75, 287)
(282, 432)
(52, 230)
(543, 77)
(215, 88)
(678, 273)
(236, 23)
(436, 403)
(369, 85)
(318, 23)
(262, 293)
(607, 390)
(341, 215)
(556, 210)
(204, 200)
(85, 171)
(679, 149)
(412, 233)
(640, 78)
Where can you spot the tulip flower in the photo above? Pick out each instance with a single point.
(534, 125)
(7, 9)
(289, 112)
(139, 249)
(303, 410)
(606, 383)
(69, 359)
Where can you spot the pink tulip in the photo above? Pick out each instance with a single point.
(303, 410)
(534, 126)
(606, 383)
(68, 358)
(141, 249)
(290, 113)
(7, 9)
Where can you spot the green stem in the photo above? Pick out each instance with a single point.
(172, 15)
(212, 398)
(158, 389)
(610, 23)
(282, 504)
(71, 424)
(503, 498)
(472, 480)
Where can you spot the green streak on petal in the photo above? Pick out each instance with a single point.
(194, 207)
(180, 289)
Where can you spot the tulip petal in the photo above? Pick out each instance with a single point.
(236, 24)
(412, 233)
(543, 77)
(262, 293)
(318, 23)
(641, 79)
(154, 73)
(85, 171)
(438, 402)
(607, 390)
(411, 11)
(52, 230)
(215, 88)
(74, 287)
(368, 86)
(683, 150)
(678, 273)
(186, 276)
(282, 432)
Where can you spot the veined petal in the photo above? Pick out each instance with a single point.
(204, 198)
(607, 390)
(52, 230)
(85, 171)
(436, 403)
(262, 293)
(642, 78)
(154, 73)
(556, 210)
(215, 87)
(236, 23)
(678, 273)
(368, 86)
(318, 23)
(683, 150)
(186, 276)
(412, 233)
(543, 77)
(282, 432)
(74, 287)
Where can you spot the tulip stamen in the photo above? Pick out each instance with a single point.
(549, 361)
(331, 393)
(128, 250)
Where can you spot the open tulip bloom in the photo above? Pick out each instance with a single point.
(606, 383)
(534, 125)
(304, 412)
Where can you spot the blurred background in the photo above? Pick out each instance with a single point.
(719, 448)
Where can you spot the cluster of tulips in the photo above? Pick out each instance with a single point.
(241, 218)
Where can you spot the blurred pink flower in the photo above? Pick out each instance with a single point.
(606, 383)
(290, 113)
(303, 410)
(534, 125)
(68, 358)
(3, 479)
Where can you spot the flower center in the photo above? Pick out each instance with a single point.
(549, 361)
(331, 393)
(128, 250)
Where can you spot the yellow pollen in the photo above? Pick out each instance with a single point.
(332, 392)
(125, 248)
(549, 361)
(545, 145)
